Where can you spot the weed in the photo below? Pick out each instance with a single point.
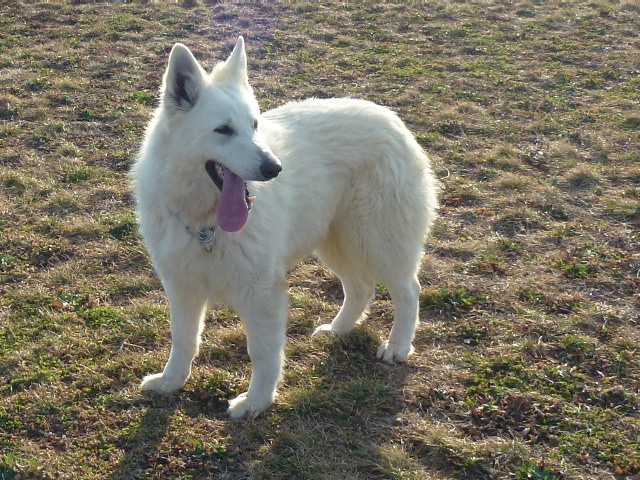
(576, 268)
(78, 174)
(124, 229)
(535, 472)
(143, 98)
(37, 84)
(101, 317)
(631, 123)
(448, 301)
(14, 184)
(87, 115)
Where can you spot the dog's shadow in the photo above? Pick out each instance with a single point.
(143, 441)
(346, 400)
(350, 392)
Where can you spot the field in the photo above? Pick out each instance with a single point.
(527, 360)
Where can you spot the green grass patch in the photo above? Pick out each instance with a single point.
(77, 173)
(126, 22)
(576, 268)
(88, 115)
(536, 472)
(143, 98)
(8, 109)
(37, 84)
(7, 262)
(125, 229)
(623, 209)
(129, 287)
(449, 301)
(14, 184)
(26, 305)
(102, 317)
(631, 123)
(342, 402)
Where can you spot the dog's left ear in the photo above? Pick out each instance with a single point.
(236, 64)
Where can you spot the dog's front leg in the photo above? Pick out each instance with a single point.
(188, 307)
(265, 319)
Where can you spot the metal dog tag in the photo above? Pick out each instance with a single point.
(207, 237)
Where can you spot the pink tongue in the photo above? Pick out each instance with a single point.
(232, 210)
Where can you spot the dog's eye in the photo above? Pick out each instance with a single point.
(224, 130)
(255, 124)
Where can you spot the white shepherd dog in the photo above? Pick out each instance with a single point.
(342, 178)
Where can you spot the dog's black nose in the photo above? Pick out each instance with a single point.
(270, 169)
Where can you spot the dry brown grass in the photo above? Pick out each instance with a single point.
(527, 354)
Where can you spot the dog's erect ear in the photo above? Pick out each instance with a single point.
(236, 64)
(182, 80)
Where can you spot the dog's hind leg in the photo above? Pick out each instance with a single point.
(357, 294)
(405, 296)
(265, 321)
(357, 291)
(188, 306)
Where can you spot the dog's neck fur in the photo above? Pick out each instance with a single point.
(196, 203)
(186, 189)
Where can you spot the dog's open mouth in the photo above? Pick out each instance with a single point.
(235, 201)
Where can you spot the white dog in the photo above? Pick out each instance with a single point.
(342, 178)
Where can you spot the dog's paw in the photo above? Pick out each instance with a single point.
(328, 329)
(392, 353)
(242, 406)
(161, 384)
(324, 329)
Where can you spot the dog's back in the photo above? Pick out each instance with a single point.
(351, 171)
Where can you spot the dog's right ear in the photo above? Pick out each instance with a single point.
(182, 80)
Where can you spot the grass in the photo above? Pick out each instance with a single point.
(527, 362)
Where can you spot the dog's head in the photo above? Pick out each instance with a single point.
(216, 119)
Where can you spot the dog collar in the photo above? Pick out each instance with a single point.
(206, 236)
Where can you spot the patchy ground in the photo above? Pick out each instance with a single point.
(527, 363)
